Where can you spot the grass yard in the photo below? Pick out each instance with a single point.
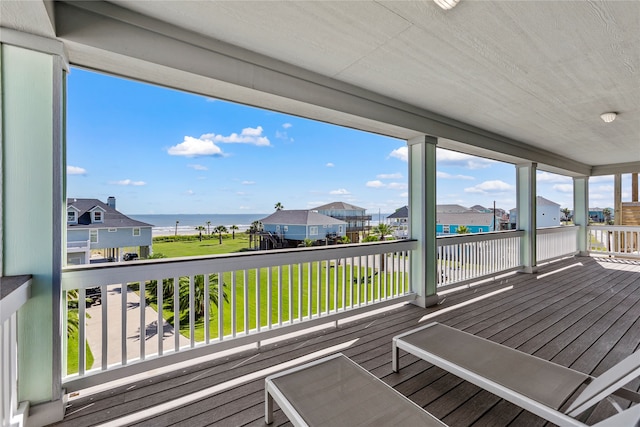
(208, 246)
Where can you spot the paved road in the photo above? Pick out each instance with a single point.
(114, 303)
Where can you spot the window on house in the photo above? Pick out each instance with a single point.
(339, 229)
(93, 236)
(97, 216)
(285, 228)
(71, 216)
(313, 231)
(113, 230)
(445, 229)
(136, 231)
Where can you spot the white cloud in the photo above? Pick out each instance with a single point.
(329, 165)
(406, 194)
(340, 191)
(206, 144)
(396, 175)
(375, 184)
(552, 177)
(76, 170)
(453, 158)
(563, 188)
(195, 147)
(283, 135)
(128, 182)
(248, 182)
(286, 125)
(199, 167)
(190, 192)
(495, 186)
(444, 175)
(401, 153)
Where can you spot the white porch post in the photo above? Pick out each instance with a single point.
(581, 211)
(422, 218)
(32, 179)
(617, 199)
(526, 220)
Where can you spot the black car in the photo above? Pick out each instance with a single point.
(130, 256)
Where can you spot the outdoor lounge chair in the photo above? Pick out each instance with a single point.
(335, 391)
(537, 385)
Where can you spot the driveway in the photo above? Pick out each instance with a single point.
(114, 303)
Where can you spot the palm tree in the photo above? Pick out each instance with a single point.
(381, 230)
(566, 212)
(233, 231)
(200, 229)
(279, 206)
(606, 213)
(255, 228)
(220, 229)
(177, 222)
(183, 295)
(463, 229)
(208, 227)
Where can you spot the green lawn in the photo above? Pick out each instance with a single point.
(72, 354)
(195, 247)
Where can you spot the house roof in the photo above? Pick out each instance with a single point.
(402, 212)
(451, 209)
(542, 202)
(299, 217)
(339, 206)
(111, 218)
(466, 218)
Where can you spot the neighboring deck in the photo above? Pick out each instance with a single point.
(585, 315)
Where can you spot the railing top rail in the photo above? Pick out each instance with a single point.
(119, 272)
(557, 229)
(478, 237)
(14, 292)
(614, 227)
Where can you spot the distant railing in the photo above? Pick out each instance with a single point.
(614, 240)
(466, 257)
(14, 292)
(78, 245)
(556, 242)
(227, 300)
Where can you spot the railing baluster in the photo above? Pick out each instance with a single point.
(344, 283)
(221, 310)
(309, 289)
(300, 293)
(335, 286)
(143, 322)
(319, 288)
(82, 331)
(123, 323)
(290, 295)
(160, 318)
(367, 280)
(245, 295)
(192, 309)
(207, 306)
(104, 306)
(269, 296)
(234, 309)
(176, 314)
(280, 295)
(258, 302)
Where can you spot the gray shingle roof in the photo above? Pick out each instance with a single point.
(403, 212)
(465, 218)
(299, 217)
(338, 206)
(111, 218)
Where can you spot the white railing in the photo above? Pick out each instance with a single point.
(616, 240)
(556, 242)
(262, 292)
(466, 257)
(15, 291)
(81, 244)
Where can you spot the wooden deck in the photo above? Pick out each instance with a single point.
(582, 313)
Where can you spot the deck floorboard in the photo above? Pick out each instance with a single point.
(581, 312)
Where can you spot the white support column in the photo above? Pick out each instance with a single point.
(617, 199)
(32, 122)
(581, 211)
(422, 218)
(526, 220)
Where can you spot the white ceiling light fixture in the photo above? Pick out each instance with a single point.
(446, 4)
(608, 117)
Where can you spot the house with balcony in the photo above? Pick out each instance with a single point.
(399, 222)
(356, 217)
(93, 225)
(553, 87)
(291, 227)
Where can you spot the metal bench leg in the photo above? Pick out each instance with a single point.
(395, 353)
(268, 407)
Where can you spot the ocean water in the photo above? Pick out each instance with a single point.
(164, 225)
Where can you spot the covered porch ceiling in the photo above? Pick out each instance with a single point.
(509, 80)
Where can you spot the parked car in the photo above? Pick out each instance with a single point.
(93, 296)
(130, 256)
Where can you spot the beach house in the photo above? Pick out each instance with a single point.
(96, 226)
(356, 217)
(399, 222)
(543, 86)
(291, 227)
(547, 214)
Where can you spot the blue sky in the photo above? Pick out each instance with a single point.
(161, 151)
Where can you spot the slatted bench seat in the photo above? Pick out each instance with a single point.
(335, 391)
